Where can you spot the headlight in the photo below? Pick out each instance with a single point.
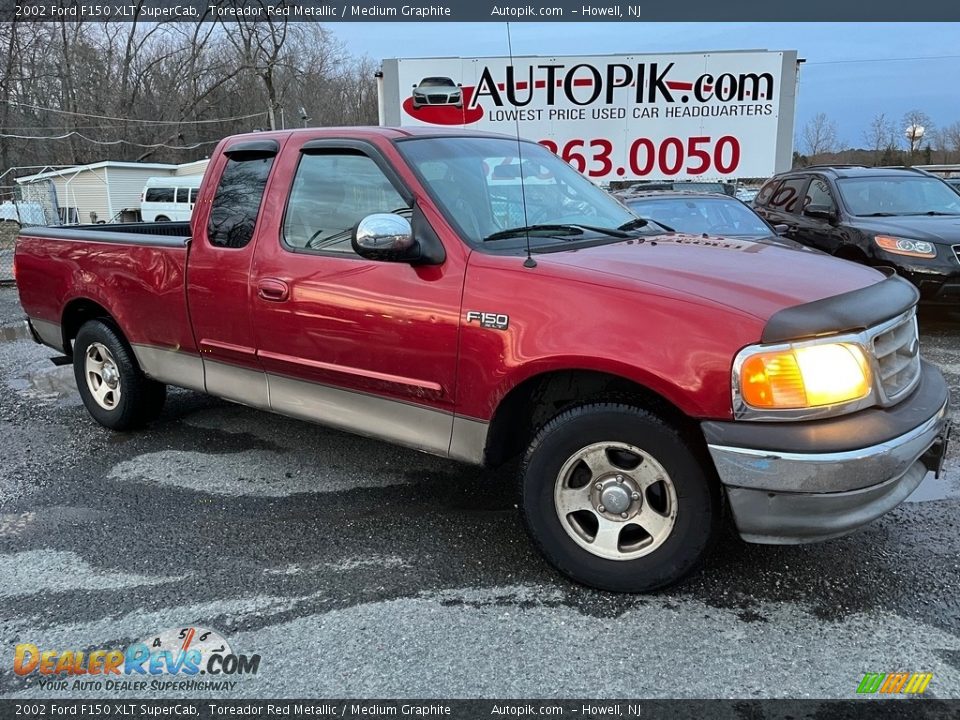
(803, 376)
(904, 246)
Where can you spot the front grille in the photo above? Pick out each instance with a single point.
(437, 99)
(897, 351)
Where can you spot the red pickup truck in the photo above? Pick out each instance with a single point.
(473, 296)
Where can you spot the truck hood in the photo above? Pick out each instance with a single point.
(757, 278)
(940, 229)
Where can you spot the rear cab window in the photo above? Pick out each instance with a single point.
(236, 204)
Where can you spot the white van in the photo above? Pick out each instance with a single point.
(167, 199)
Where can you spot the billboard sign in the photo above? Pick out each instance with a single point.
(675, 116)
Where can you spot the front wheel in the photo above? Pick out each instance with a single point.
(617, 499)
(113, 387)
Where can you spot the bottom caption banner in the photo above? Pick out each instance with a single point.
(473, 709)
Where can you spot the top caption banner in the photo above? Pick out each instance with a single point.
(476, 11)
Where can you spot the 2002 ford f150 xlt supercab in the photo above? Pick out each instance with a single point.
(473, 296)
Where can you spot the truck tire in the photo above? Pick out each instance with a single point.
(161, 218)
(617, 499)
(113, 387)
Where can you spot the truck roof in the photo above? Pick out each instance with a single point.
(851, 171)
(368, 131)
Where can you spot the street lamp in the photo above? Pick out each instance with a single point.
(914, 135)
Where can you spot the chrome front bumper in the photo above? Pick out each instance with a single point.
(787, 497)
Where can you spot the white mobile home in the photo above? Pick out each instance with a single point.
(101, 191)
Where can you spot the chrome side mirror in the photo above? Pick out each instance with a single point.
(385, 236)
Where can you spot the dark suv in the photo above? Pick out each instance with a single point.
(902, 217)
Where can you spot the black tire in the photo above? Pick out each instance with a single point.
(698, 503)
(161, 218)
(139, 399)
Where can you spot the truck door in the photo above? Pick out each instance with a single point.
(364, 345)
(218, 273)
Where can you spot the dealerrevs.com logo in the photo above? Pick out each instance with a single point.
(185, 658)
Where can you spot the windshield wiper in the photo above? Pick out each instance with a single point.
(638, 223)
(514, 232)
(909, 214)
(558, 229)
(612, 232)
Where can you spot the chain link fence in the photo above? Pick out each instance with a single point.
(23, 206)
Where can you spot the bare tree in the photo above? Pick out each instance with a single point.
(951, 136)
(916, 125)
(820, 135)
(881, 134)
(81, 92)
(8, 77)
(939, 144)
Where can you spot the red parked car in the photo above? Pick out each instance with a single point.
(378, 280)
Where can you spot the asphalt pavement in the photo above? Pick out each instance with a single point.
(357, 569)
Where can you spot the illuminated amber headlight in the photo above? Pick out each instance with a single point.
(804, 377)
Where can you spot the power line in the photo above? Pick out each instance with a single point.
(17, 103)
(886, 59)
(108, 142)
(62, 127)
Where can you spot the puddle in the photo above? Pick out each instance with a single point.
(12, 333)
(42, 379)
(932, 489)
(53, 381)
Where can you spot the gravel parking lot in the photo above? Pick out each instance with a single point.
(358, 569)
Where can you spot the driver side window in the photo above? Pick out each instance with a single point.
(331, 193)
(818, 193)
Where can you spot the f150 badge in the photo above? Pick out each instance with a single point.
(494, 321)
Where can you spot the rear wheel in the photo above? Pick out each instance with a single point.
(113, 387)
(161, 218)
(617, 499)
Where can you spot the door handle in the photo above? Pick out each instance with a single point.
(273, 290)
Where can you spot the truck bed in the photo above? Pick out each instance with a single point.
(59, 268)
(168, 234)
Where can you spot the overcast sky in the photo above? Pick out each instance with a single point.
(849, 92)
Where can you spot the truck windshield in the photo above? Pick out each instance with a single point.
(486, 186)
(898, 195)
